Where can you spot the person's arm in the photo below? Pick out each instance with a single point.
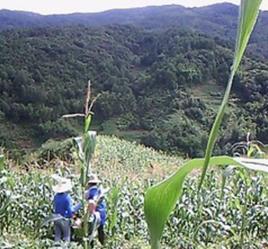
(69, 207)
(77, 207)
(54, 204)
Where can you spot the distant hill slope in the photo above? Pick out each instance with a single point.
(216, 20)
(118, 155)
(160, 87)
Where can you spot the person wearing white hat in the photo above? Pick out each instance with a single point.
(63, 207)
(96, 194)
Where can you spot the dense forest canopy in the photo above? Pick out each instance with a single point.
(161, 87)
(218, 20)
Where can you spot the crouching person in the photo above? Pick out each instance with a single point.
(95, 195)
(64, 208)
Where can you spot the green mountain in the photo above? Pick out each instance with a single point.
(218, 20)
(161, 87)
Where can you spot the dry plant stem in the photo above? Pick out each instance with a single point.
(87, 107)
(84, 172)
(73, 115)
(92, 103)
(87, 98)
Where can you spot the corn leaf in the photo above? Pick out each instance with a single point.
(89, 144)
(78, 142)
(249, 10)
(248, 13)
(161, 198)
(87, 123)
(1, 162)
(86, 147)
(264, 148)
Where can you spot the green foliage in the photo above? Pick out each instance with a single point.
(56, 129)
(160, 199)
(248, 15)
(2, 160)
(114, 197)
(109, 127)
(87, 123)
(51, 150)
(128, 169)
(215, 20)
(89, 144)
(249, 11)
(40, 81)
(178, 133)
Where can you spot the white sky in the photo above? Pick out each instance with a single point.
(70, 6)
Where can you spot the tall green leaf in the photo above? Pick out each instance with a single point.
(86, 147)
(87, 123)
(161, 198)
(89, 144)
(1, 162)
(248, 13)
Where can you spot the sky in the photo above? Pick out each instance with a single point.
(70, 6)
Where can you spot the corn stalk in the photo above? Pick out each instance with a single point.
(6, 200)
(161, 198)
(2, 158)
(248, 14)
(85, 146)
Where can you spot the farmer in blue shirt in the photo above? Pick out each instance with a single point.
(63, 206)
(96, 194)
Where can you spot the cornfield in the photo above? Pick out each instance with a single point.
(133, 168)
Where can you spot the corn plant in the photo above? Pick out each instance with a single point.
(250, 148)
(5, 199)
(219, 219)
(1, 162)
(161, 198)
(85, 146)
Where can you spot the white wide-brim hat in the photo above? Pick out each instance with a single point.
(93, 178)
(62, 186)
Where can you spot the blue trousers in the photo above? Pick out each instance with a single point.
(62, 230)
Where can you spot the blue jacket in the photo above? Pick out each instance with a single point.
(63, 205)
(94, 193)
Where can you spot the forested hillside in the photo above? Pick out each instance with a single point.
(160, 88)
(218, 20)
